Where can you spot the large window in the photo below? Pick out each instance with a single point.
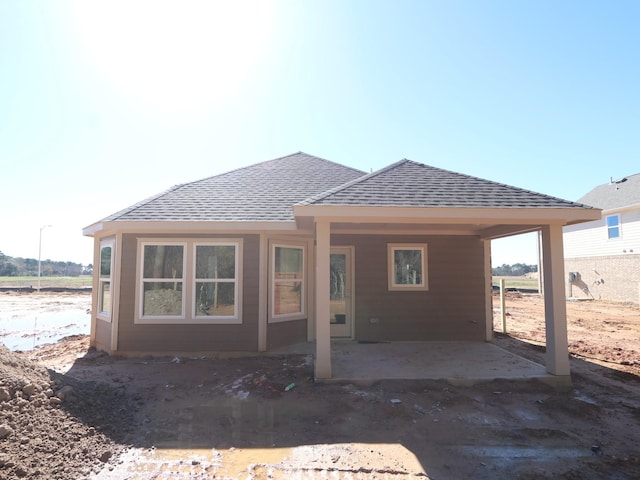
(189, 282)
(104, 279)
(613, 226)
(288, 282)
(407, 267)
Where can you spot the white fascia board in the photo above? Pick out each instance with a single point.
(92, 229)
(354, 214)
(189, 227)
(626, 208)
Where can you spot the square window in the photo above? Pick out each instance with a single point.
(407, 268)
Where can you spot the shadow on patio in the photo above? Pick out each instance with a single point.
(460, 363)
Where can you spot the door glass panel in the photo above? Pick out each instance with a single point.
(337, 288)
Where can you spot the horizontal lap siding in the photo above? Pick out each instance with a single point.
(452, 309)
(286, 333)
(188, 337)
(103, 335)
(615, 277)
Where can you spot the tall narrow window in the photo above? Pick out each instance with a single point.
(407, 269)
(215, 281)
(163, 280)
(288, 281)
(613, 226)
(104, 279)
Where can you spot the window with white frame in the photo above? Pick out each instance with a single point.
(613, 226)
(288, 282)
(104, 278)
(190, 282)
(407, 266)
(215, 280)
(163, 268)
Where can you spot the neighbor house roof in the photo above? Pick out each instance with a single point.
(263, 192)
(411, 184)
(615, 194)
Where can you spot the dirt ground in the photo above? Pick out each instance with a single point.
(95, 416)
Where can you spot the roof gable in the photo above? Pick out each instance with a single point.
(411, 184)
(263, 192)
(615, 194)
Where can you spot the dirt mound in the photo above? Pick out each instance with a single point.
(47, 427)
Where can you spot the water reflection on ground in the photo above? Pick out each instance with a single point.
(25, 332)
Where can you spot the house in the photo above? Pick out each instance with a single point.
(302, 249)
(602, 257)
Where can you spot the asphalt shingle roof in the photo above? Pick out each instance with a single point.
(268, 191)
(263, 192)
(412, 184)
(615, 194)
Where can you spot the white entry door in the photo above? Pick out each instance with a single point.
(341, 290)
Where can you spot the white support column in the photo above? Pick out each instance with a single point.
(540, 265)
(488, 279)
(323, 332)
(555, 307)
(94, 290)
(115, 291)
(263, 292)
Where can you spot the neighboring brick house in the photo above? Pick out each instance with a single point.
(301, 249)
(602, 257)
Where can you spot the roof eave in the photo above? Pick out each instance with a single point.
(391, 214)
(185, 227)
(625, 208)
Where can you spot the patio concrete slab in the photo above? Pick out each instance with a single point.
(456, 362)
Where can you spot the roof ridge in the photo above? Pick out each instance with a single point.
(253, 165)
(242, 168)
(344, 186)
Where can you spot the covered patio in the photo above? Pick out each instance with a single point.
(459, 363)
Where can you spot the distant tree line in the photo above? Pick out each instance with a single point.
(26, 267)
(515, 270)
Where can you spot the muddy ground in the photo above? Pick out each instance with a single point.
(106, 417)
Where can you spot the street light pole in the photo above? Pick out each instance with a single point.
(40, 254)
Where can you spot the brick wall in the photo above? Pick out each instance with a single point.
(614, 277)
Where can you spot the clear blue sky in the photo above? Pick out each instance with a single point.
(103, 104)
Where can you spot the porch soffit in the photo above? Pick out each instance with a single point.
(486, 222)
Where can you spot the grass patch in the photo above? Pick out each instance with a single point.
(82, 281)
(517, 282)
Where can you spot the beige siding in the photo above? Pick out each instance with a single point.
(286, 333)
(185, 337)
(103, 335)
(590, 238)
(452, 309)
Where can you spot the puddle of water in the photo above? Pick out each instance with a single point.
(29, 331)
(256, 439)
(337, 461)
(192, 463)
